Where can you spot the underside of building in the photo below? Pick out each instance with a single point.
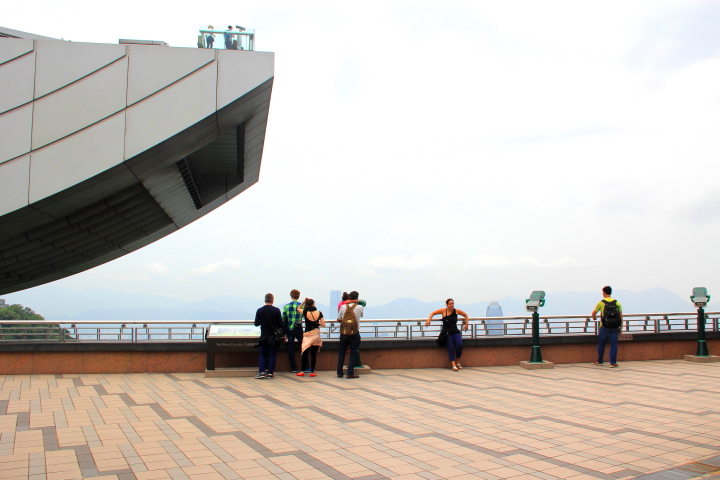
(107, 148)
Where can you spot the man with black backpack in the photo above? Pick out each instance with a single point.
(349, 317)
(610, 326)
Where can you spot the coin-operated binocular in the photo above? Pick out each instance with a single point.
(532, 304)
(536, 300)
(700, 298)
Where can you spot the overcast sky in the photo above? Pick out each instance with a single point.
(433, 149)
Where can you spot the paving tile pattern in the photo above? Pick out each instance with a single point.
(649, 420)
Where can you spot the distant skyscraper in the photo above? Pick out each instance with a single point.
(335, 298)
(494, 327)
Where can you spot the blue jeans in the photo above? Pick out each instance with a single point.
(293, 335)
(612, 334)
(268, 354)
(352, 341)
(454, 345)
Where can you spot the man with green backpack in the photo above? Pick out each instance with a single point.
(610, 326)
(349, 317)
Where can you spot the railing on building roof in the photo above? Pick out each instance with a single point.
(398, 329)
(245, 39)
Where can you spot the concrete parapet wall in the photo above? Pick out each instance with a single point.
(98, 358)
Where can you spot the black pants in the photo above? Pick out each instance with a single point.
(352, 341)
(293, 335)
(310, 353)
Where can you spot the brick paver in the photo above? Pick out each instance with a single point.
(575, 421)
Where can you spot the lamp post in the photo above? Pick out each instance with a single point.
(700, 298)
(532, 304)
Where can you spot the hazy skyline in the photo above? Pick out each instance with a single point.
(474, 150)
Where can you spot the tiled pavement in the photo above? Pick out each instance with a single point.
(576, 421)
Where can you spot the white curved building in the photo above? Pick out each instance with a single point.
(106, 148)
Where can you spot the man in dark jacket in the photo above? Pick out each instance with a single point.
(269, 320)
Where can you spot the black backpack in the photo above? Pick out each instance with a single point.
(611, 315)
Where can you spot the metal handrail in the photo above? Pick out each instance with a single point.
(135, 331)
(626, 316)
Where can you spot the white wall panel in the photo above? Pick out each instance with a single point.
(77, 157)
(16, 82)
(153, 68)
(15, 130)
(170, 111)
(14, 47)
(81, 104)
(14, 181)
(61, 63)
(241, 71)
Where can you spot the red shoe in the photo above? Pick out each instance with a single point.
(300, 374)
(313, 374)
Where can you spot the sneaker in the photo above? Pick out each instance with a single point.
(313, 374)
(300, 374)
(613, 365)
(599, 364)
(260, 376)
(270, 375)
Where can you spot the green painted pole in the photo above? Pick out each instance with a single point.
(536, 356)
(702, 349)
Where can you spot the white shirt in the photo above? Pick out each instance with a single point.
(358, 311)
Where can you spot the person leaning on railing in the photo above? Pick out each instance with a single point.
(454, 337)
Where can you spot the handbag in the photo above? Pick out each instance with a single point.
(442, 338)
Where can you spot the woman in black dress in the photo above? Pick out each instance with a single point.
(454, 337)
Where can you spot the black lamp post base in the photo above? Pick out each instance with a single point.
(702, 358)
(536, 365)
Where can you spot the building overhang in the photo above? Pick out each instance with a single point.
(93, 167)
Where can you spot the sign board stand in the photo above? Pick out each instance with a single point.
(230, 338)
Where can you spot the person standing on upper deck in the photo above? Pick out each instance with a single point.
(610, 326)
(349, 317)
(228, 38)
(210, 38)
(292, 321)
(454, 337)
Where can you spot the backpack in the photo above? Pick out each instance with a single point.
(611, 315)
(349, 322)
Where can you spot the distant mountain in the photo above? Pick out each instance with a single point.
(56, 303)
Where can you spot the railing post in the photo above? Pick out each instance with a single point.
(61, 333)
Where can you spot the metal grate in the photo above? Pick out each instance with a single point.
(671, 474)
(189, 183)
